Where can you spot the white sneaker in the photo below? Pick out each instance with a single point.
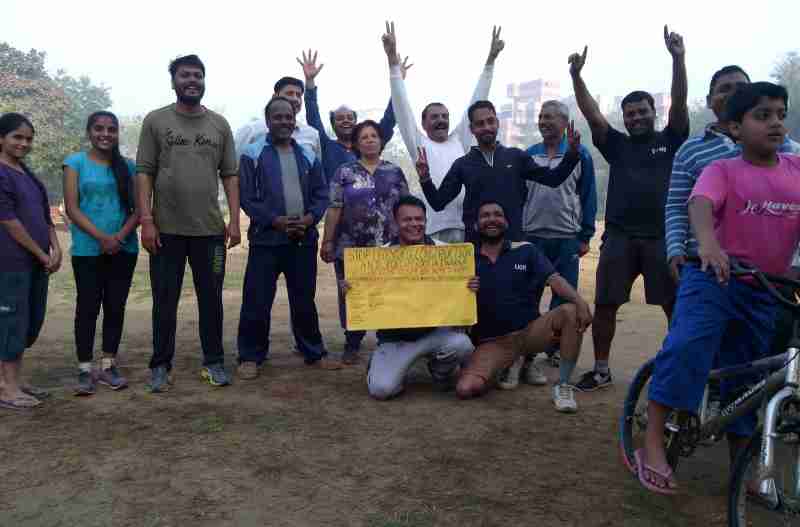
(509, 379)
(533, 374)
(564, 398)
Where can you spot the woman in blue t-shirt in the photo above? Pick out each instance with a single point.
(99, 198)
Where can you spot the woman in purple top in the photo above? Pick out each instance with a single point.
(363, 193)
(30, 252)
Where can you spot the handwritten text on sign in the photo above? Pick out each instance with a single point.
(415, 286)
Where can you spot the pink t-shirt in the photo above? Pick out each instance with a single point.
(756, 209)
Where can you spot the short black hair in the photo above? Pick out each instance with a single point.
(429, 106)
(491, 201)
(747, 97)
(410, 201)
(186, 60)
(273, 101)
(477, 105)
(727, 70)
(289, 81)
(357, 131)
(637, 96)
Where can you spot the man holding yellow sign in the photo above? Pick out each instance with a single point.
(414, 290)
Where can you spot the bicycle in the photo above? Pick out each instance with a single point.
(760, 486)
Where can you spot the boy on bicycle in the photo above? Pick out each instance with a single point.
(748, 208)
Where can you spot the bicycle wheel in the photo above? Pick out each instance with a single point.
(633, 424)
(780, 504)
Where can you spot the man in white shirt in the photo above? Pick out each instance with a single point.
(442, 146)
(304, 135)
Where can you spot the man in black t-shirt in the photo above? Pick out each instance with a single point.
(640, 167)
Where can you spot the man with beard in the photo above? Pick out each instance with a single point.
(512, 278)
(184, 150)
(640, 165)
(491, 169)
(445, 347)
(285, 195)
(336, 152)
(442, 146)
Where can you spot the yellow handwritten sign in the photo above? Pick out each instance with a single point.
(415, 286)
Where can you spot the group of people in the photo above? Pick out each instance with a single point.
(677, 207)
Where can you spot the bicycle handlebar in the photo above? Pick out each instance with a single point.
(765, 280)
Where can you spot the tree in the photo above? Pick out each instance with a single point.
(787, 73)
(58, 107)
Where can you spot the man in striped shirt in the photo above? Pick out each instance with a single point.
(695, 155)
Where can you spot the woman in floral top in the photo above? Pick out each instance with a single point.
(363, 193)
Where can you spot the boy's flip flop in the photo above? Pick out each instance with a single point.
(18, 404)
(658, 481)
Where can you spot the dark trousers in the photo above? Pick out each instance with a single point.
(298, 264)
(352, 338)
(206, 255)
(101, 281)
(563, 254)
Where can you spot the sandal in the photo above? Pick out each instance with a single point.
(19, 404)
(33, 391)
(655, 480)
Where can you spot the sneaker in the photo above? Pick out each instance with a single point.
(159, 380)
(247, 370)
(532, 373)
(215, 375)
(112, 378)
(564, 398)
(351, 356)
(509, 378)
(592, 380)
(86, 383)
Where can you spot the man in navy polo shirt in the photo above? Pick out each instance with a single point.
(512, 278)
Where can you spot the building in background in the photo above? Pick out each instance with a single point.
(518, 118)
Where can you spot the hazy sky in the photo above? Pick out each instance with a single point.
(247, 46)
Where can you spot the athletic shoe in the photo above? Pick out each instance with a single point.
(86, 383)
(532, 373)
(592, 380)
(509, 378)
(215, 375)
(159, 380)
(112, 378)
(564, 398)
(247, 370)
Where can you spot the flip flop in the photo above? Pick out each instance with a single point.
(16, 404)
(33, 391)
(662, 478)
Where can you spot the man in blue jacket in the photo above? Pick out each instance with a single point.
(336, 152)
(284, 193)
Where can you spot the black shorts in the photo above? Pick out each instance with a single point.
(622, 260)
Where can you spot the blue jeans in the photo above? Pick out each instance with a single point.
(713, 326)
(23, 302)
(298, 264)
(563, 254)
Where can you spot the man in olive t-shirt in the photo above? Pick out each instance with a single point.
(184, 150)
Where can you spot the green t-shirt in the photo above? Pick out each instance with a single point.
(186, 154)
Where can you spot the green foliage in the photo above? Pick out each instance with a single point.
(787, 73)
(57, 105)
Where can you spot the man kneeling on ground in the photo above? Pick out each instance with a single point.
(512, 278)
(398, 349)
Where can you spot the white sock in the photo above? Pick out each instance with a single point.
(106, 363)
(601, 366)
(85, 366)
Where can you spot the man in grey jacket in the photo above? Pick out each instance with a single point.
(558, 221)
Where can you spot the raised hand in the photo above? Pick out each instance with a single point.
(309, 64)
(576, 62)
(404, 66)
(423, 169)
(573, 137)
(674, 43)
(390, 44)
(496, 46)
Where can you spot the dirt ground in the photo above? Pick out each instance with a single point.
(302, 447)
